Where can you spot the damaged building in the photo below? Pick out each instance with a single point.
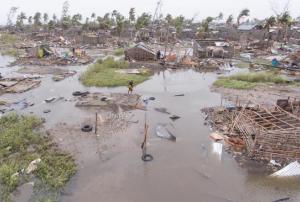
(140, 52)
(213, 48)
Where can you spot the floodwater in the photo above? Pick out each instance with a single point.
(186, 170)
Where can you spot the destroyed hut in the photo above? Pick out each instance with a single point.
(140, 52)
(213, 48)
(269, 134)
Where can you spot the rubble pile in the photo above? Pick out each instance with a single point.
(263, 134)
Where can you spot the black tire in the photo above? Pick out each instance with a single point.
(87, 128)
(147, 157)
(78, 93)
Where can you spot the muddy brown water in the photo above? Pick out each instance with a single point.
(185, 170)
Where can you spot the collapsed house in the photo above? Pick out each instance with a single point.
(213, 48)
(269, 133)
(265, 133)
(17, 85)
(140, 52)
(98, 38)
(44, 55)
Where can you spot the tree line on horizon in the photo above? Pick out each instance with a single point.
(118, 21)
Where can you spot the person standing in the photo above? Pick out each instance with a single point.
(130, 87)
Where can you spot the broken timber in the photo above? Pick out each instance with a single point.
(269, 133)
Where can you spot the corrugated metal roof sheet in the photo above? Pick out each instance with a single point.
(141, 45)
(293, 169)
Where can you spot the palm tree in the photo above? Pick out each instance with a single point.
(270, 22)
(20, 19)
(114, 15)
(285, 20)
(76, 19)
(243, 13)
(229, 20)
(220, 16)
(29, 20)
(132, 15)
(37, 19)
(120, 23)
(203, 30)
(54, 17)
(45, 17)
(131, 20)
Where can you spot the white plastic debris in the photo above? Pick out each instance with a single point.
(273, 162)
(217, 149)
(293, 169)
(33, 166)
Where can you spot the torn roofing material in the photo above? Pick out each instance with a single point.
(293, 169)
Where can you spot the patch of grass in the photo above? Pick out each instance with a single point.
(234, 84)
(10, 52)
(256, 77)
(56, 169)
(261, 61)
(249, 80)
(119, 52)
(8, 38)
(242, 64)
(104, 74)
(7, 42)
(20, 144)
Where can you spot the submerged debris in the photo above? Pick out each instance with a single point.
(17, 85)
(111, 101)
(162, 110)
(163, 132)
(174, 117)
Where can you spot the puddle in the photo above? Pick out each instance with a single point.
(192, 169)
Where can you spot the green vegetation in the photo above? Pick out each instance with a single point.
(249, 80)
(7, 42)
(104, 74)
(242, 64)
(259, 61)
(10, 52)
(119, 52)
(8, 38)
(20, 144)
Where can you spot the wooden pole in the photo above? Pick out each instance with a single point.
(96, 123)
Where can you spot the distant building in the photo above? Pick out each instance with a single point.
(213, 48)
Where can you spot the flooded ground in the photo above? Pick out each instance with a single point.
(110, 166)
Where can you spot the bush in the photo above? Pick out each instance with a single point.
(119, 52)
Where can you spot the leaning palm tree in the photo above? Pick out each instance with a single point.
(285, 21)
(243, 13)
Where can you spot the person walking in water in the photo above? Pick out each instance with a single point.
(130, 87)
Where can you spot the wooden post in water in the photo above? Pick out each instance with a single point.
(96, 123)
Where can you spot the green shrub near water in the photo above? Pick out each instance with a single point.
(119, 52)
(8, 38)
(21, 143)
(249, 80)
(104, 74)
(7, 42)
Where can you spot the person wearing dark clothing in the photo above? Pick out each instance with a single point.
(158, 55)
(130, 87)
